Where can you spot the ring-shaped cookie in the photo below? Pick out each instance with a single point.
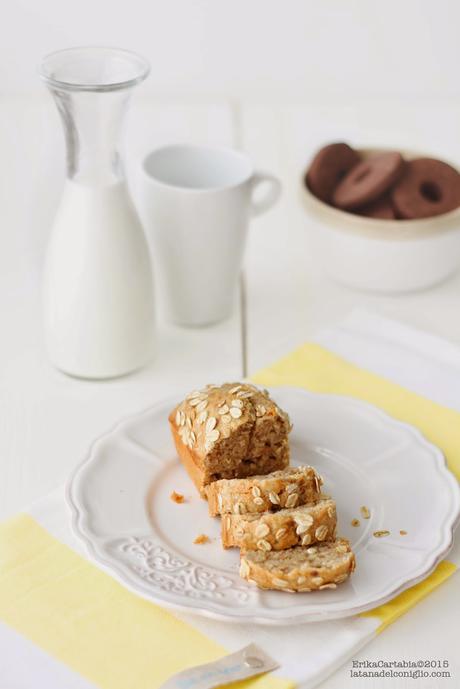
(328, 167)
(368, 181)
(428, 187)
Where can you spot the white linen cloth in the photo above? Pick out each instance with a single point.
(307, 653)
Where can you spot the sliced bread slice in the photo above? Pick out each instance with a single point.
(322, 566)
(280, 530)
(289, 487)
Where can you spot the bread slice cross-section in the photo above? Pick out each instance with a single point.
(280, 530)
(303, 568)
(289, 487)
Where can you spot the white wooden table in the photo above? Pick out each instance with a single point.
(47, 420)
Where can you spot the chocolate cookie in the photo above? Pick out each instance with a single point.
(428, 187)
(381, 209)
(328, 167)
(368, 180)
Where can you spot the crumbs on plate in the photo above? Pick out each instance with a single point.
(177, 497)
(202, 538)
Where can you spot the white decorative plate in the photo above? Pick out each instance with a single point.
(121, 508)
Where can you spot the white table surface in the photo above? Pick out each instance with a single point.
(48, 420)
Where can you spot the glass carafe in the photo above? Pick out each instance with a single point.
(98, 301)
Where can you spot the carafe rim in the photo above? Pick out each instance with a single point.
(54, 61)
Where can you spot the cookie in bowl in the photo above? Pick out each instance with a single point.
(390, 225)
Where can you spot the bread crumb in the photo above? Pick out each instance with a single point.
(380, 534)
(403, 533)
(177, 497)
(355, 522)
(365, 512)
(202, 538)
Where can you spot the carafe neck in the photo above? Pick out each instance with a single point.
(92, 127)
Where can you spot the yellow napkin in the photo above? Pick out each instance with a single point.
(85, 619)
(315, 368)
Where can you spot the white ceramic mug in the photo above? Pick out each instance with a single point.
(197, 203)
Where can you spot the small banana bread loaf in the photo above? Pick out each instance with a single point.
(320, 566)
(290, 487)
(280, 530)
(229, 431)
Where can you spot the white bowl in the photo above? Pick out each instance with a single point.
(383, 255)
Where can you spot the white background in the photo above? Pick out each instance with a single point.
(303, 50)
(277, 78)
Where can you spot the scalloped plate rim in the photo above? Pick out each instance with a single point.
(117, 569)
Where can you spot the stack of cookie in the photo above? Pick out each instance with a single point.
(276, 514)
(384, 185)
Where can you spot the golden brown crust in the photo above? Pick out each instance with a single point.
(187, 458)
(322, 566)
(289, 487)
(280, 530)
(227, 431)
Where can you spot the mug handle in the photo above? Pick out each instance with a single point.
(272, 195)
